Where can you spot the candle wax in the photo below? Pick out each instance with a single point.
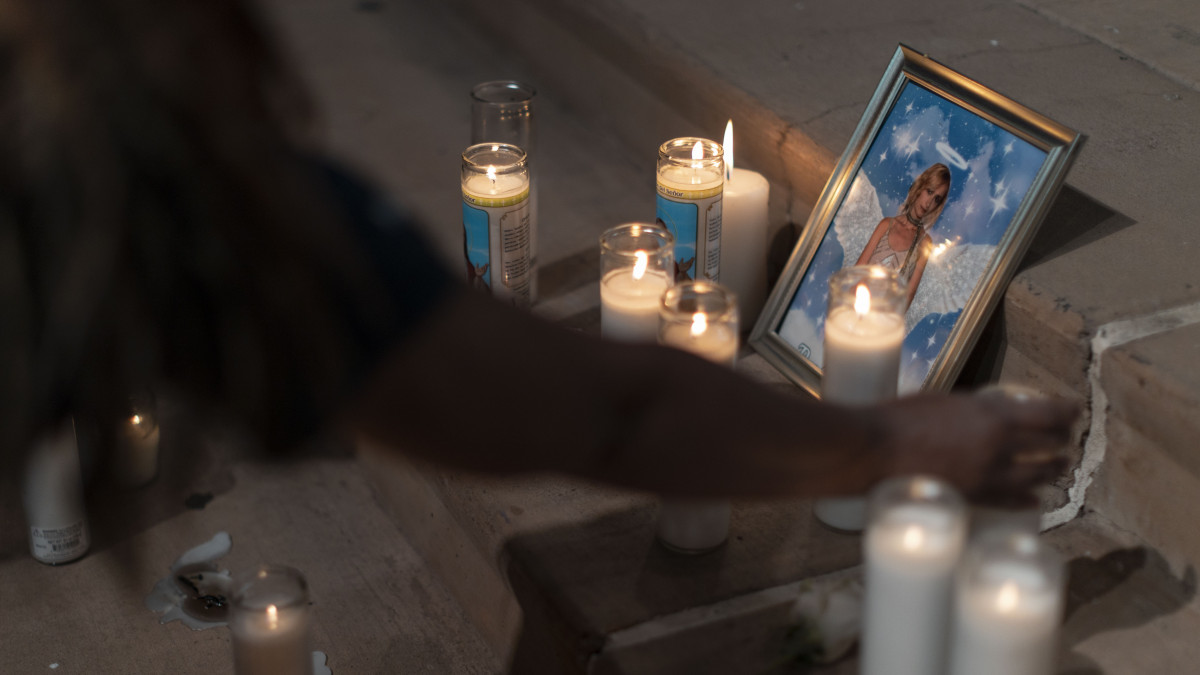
(629, 306)
(718, 342)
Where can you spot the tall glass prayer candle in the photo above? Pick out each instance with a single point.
(702, 318)
(136, 458)
(53, 494)
(744, 233)
(1008, 607)
(496, 229)
(691, 181)
(270, 623)
(911, 548)
(636, 268)
(502, 112)
(864, 329)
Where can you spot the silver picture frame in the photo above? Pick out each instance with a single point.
(1005, 163)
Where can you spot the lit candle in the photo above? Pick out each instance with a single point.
(497, 241)
(136, 459)
(1008, 608)
(691, 180)
(270, 623)
(701, 318)
(635, 266)
(744, 234)
(911, 548)
(864, 329)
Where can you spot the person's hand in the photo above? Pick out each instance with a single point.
(993, 447)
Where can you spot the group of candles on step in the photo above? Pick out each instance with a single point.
(935, 603)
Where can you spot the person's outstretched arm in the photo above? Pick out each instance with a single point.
(488, 388)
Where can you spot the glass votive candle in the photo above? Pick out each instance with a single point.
(502, 112)
(702, 318)
(135, 461)
(864, 330)
(270, 622)
(1008, 606)
(636, 268)
(691, 181)
(911, 549)
(497, 240)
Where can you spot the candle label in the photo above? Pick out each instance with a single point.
(498, 246)
(58, 544)
(694, 217)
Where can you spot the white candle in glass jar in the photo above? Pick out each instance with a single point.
(744, 234)
(136, 460)
(910, 555)
(629, 300)
(717, 342)
(1006, 622)
(862, 356)
(272, 642)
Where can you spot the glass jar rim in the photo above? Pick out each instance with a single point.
(515, 156)
(657, 235)
(679, 150)
(519, 93)
(723, 301)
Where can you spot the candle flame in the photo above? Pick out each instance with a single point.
(272, 617)
(639, 267)
(697, 151)
(136, 420)
(727, 143)
(699, 324)
(862, 299)
(1006, 599)
(491, 173)
(914, 536)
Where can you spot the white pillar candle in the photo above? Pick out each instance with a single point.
(864, 329)
(635, 268)
(1008, 609)
(270, 623)
(911, 549)
(744, 234)
(701, 318)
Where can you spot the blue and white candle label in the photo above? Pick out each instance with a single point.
(498, 247)
(693, 217)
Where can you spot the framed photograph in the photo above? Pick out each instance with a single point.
(945, 181)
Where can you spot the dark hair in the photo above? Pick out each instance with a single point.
(160, 220)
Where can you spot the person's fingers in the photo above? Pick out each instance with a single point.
(1044, 413)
